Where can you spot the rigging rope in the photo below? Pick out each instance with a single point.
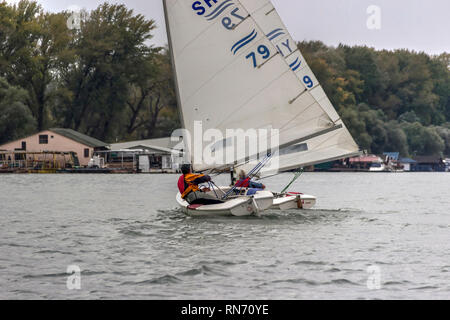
(251, 174)
(297, 175)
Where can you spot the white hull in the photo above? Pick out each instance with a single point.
(381, 168)
(293, 201)
(239, 206)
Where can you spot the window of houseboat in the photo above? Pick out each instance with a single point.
(43, 139)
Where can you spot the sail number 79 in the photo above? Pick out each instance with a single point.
(263, 51)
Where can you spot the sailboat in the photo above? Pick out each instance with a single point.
(326, 148)
(237, 67)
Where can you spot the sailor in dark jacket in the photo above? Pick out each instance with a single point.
(188, 185)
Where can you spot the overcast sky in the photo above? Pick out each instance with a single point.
(414, 24)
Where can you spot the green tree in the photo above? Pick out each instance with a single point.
(111, 50)
(15, 118)
(363, 60)
(397, 139)
(423, 140)
(34, 45)
(152, 100)
(444, 133)
(106, 80)
(378, 92)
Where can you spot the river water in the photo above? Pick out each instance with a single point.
(371, 236)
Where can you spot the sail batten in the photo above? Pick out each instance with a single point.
(312, 136)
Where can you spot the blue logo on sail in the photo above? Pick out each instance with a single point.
(218, 11)
(295, 65)
(244, 41)
(275, 34)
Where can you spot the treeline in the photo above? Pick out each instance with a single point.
(105, 79)
(390, 100)
(102, 78)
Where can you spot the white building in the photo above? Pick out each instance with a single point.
(407, 163)
(166, 154)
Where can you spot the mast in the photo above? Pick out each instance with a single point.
(172, 59)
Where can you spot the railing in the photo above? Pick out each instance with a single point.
(22, 160)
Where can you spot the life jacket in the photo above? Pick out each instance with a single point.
(189, 183)
(181, 185)
(243, 183)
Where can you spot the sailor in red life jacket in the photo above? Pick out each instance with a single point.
(245, 182)
(188, 185)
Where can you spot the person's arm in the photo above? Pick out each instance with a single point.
(202, 179)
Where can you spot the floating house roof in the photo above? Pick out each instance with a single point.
(366, 159)
(429, 159)
(69, 134)
(392, 155)
(162, 144)
(79, 137)
(407, 160)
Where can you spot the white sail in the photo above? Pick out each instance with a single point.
(237, 67)
(329, 147)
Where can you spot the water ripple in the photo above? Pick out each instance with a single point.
(202, 270)
(313, 263)
(167, 279)
(130, 238)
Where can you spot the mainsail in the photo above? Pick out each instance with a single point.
(329, 147)
(237, 67)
